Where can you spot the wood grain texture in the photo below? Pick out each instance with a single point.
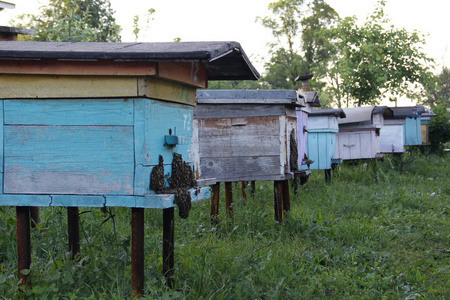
(158, 201)
(68, 159)
(205, 111)
(69, 112)
(46, 86)
(357, 145)
(67, 67)
(235, 137)
(157, 88)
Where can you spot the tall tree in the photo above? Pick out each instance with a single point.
(285, 63)
(376, 59)
(73, 21)
(438, 90)
(299, 48)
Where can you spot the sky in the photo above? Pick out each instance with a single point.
(234, 20)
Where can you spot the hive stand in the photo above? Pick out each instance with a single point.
(84, 124)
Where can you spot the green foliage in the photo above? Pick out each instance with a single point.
(438, 90)
(234, 84)
(137, 26)
(353, 238)
(298, 48)
(376, 59)
(440, 127)
(73, 21)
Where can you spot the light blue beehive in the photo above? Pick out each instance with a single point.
(83, 124)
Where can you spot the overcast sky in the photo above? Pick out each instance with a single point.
(234, 20)
(208, 20)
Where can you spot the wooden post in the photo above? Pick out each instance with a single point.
(34, 211)
(73, 229)
(244, 194)
(286, 198)
(23, 242)
(137, 252)
(215, 201)
(328, 175)
(278, 200)
(168, 245)
(295, 185)
(253, 188)
(229, 198)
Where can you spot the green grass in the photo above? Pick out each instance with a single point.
(372, 233)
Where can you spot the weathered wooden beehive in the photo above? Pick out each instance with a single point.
(358, 136)
(392, 134)
(246, 135)
(84, 124)
(322, 129)
(425, 121)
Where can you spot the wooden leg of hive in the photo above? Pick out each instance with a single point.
(73, 230)
(328, 175)
(229, 198)
(278, 200)
(253, 188)
(286, 198)
(137, 252)
(168, 245)
(23, 243)
(244, 194)
(215, 201)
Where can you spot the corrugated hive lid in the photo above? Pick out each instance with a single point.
(357, 114)
(337, 112)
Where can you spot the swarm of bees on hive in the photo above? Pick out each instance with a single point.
(181, 180)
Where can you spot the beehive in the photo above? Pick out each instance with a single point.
(246, 135)
(322, 129)
(359, 132)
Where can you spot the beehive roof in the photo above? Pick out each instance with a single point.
(224, 60)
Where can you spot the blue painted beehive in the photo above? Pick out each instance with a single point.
(322, 129)
(83, 124)
(412, 127)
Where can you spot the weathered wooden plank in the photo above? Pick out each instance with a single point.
(67, 67)
(69, 112)
(162, 201)
(242, 168)
(302, 135)
(1, 142)
(25, 200)
(156, 88)
(44, 86)
(205, 111)
(78, 200)
(153, 120)
(69, 159)
(192, 73)
(235, 137)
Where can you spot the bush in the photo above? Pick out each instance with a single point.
(440, 128)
